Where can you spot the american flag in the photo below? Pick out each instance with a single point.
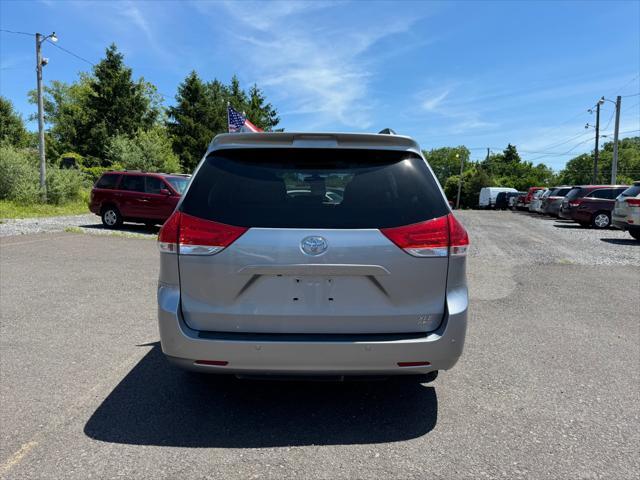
(239, 123)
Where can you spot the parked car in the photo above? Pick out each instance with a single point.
(515, 198)
(551, 204)
(536, 200)
(502, 201)
(489, 195)
(256, 281)
(132, 196)
(591, 204)
(520, 201)
(626, 213)
(529, 196)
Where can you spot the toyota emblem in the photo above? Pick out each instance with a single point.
(314, 245)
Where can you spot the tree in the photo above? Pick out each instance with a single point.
(12, 130)
(236, 96)
(118, 105)
(474, 178)
(149, 151)
(84, 115)
(444, 162)
(66, 112)
(261, 113)
(200, 113)
(195, 119)
(579, 170)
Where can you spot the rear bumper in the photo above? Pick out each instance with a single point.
(622, 224)
(552, 209)
(623, 221)
(311, 354)
(567, 214)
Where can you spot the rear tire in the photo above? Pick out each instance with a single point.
(635, 234)
(601, 220)
(111, 217)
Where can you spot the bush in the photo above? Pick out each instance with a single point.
(149, 151)
(19, 178)
(64, 185)
(70, 160)
(92, 174)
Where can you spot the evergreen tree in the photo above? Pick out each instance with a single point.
(118, 105)
(200, 113)
(195, 119)
(259, 112)
(237, 97)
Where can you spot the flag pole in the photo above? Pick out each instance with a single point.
(228, 122)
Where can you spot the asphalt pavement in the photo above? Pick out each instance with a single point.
(548, 386)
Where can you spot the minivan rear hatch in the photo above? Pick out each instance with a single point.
(310, 243)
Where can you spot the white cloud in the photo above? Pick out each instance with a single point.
(433, 102)
(321, 73)
(133, 13)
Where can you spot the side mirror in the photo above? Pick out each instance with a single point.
(164, 191)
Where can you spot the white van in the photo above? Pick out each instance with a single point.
(488, 196)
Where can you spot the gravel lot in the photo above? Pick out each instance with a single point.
(88, 223)
(548, 386)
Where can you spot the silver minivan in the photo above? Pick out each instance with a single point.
(313, 254)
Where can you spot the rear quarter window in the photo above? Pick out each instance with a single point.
(314, 188)
(109, 181)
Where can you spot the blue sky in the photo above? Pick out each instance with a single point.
(480, 74)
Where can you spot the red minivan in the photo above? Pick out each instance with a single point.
(140, 197)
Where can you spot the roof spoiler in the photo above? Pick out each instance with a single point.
(387, 131)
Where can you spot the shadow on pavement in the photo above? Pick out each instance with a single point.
(571, 225)
(127, 227)
(157, 404)
(621, 241)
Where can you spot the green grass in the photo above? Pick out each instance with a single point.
(9, 209)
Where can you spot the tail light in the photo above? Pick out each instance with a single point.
(438, 237)
(575, 203)
(188, 235)
(633, 202)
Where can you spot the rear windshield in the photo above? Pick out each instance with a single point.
(561, 192)
(314, 188)
(631, 191)
(576, 192)
(178, 183)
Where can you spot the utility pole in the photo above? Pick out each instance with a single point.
(41, 62)
(595, 155)
(614, 163)
(460, 179)
(43, 164)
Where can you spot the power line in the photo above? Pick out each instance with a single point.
(609, 121)
(18, 33)
(564, 153)
(628, 83)
(634, 95)
(634, 105)
(71, 53)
